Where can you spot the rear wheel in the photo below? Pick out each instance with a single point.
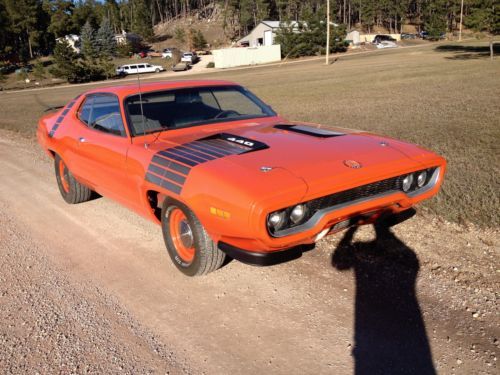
(71, 190)
(188, 244)
(157, 70)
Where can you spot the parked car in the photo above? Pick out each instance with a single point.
(167, 53)
(383, 38)
(24, 69)
(425, 35)
(190, 57)
(408, 36)
(180, 67)
(138, 68)
(211, 164)
(387, 44)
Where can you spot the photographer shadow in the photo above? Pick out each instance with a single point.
(390, 335)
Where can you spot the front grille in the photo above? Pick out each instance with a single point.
(360, 192)
(316, 208)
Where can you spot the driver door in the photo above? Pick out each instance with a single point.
(103, 146)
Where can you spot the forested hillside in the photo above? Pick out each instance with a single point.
(29, 27)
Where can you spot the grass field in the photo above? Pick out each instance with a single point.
(446, 98)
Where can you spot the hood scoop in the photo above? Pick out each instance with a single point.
(309, 130)
(230, 144)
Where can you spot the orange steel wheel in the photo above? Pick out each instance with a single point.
(182, 235)
(63, 173)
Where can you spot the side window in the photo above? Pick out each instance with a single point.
(126, 67)
(102, 112)
(86, 110)
(140, 66)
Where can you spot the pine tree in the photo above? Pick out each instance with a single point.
(88, 43)
(141, 23)
(60, 19)
(65, 61)
(23, 20)
(485, 16)
(105, 39)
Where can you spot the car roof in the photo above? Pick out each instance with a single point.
(133, 88)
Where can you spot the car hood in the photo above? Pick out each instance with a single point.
(326, 159)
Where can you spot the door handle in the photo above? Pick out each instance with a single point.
(82, 140)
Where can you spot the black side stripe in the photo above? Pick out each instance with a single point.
(166, 174)
(62, 116)
(163, 183)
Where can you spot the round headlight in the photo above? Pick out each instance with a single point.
(422, 177)
(276, 220)
(407, 182)
(298, 213)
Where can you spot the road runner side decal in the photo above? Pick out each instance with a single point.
(169, 168)
(62, 116)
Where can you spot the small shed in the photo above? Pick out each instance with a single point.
(353, 37)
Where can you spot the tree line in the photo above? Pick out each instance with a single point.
(29, 27)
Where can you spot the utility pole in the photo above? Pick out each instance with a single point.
(327, 54)
(461, 15)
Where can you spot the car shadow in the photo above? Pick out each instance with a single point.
(468, 52)
(390, 335)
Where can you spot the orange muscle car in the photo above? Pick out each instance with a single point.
(224, 175)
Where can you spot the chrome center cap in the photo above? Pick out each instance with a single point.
(186, 234)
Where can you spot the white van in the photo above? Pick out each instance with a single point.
(139, 68)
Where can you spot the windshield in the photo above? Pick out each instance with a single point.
(181, 108)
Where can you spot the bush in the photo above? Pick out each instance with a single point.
(124, 50)
(39, 71)
(435, 27)
(180, 34)
(198, 40)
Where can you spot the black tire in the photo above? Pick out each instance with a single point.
(206, 256)
(71, 190)
(157, 70)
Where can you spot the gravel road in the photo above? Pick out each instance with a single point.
(90, 289)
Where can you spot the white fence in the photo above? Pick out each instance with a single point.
(231, 57)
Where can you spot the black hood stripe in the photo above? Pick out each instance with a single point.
(201, 147)
(170, 168)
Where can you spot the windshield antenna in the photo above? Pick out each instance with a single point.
(140, 104)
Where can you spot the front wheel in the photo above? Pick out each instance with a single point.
(188, 244)
(157, 70)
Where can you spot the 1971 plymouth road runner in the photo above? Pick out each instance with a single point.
(224, 174)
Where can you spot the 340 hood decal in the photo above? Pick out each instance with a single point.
(169, 168)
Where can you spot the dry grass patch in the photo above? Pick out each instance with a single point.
(421, 95)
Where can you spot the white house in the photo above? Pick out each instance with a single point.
(125, 37)
(73, 40)
(264, 33)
